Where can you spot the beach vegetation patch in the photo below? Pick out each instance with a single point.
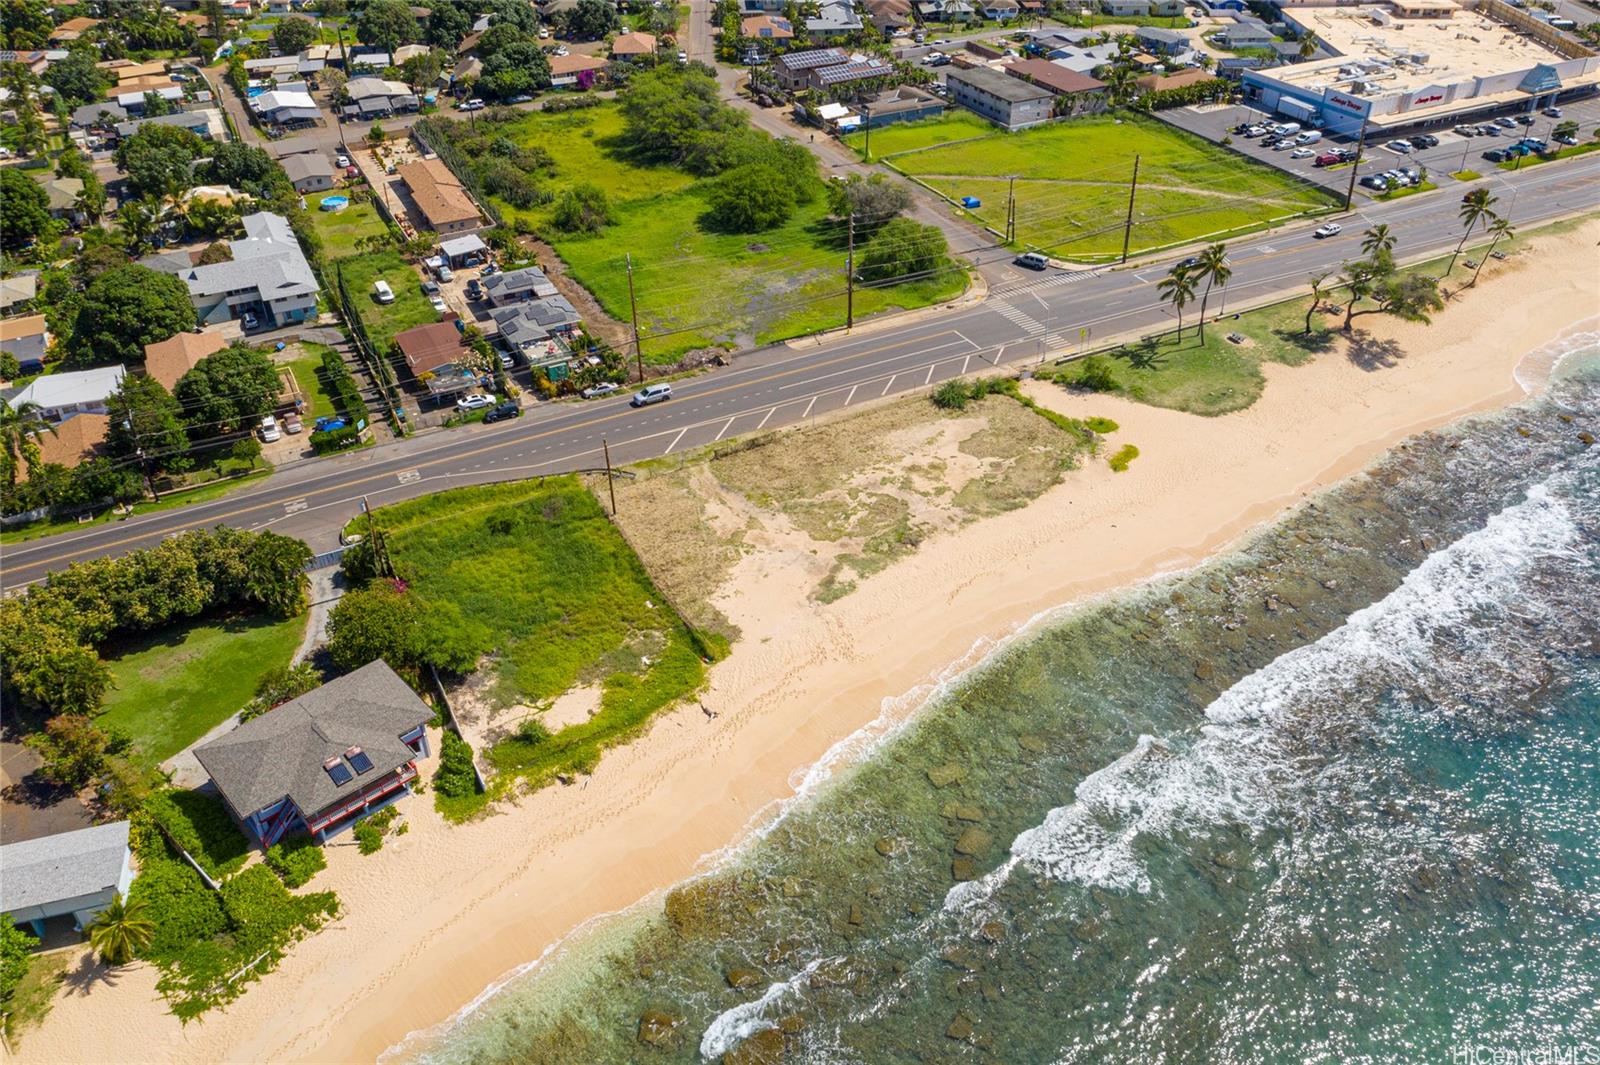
(455, 784)
(201, 825)
(1101, 426)
(1125, 455)
(296, 860)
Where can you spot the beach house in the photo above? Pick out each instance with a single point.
(321, 762)
(70, 874)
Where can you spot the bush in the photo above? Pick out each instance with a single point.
(1101, 425)
(184, 910)
(200, 825)
(265, 916)
(324, 441)
(952, 395)
(368, 839)
(583, 209)
(346, 396)
(455, 777)
(296, 860)
(16, 946)
(278, 686)
(750, 198)
(1093, 373)
(1119, 461)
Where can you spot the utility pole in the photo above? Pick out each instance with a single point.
(866, 123)
(633, 308)
(611, 484)
(850, 273)
(1361, 145)
(1127, 228)
(1011, 210)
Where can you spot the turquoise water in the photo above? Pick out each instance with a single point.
(1333, 798)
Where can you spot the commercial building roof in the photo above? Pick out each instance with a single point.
(991, 81)
(167, 360)
(65, 866)
(283, 751)
(68, 389)
(1053, 76)
(439, 195)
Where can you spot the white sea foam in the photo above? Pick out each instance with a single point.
(1536, 368)
(733, 1026)
(1231, 771)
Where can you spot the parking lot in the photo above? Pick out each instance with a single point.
(1454, 152)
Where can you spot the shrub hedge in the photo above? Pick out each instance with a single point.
(296, 860)
(202, 826)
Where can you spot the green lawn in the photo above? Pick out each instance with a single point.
(1565, 152)
(307, 372)
(1073, 181)
(565, 601)
(912, 136)
(340, 230)
(383, 321)
(695, 288)
(171, 687)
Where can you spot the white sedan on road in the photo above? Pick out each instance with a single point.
(604, 388)
(1328, 229)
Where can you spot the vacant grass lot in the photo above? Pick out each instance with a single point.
(566, 601)
(695, 288)
(308, 375)
(172, 687)
(955, 125)
(1073, 180)
(340, 230)
(383, 321)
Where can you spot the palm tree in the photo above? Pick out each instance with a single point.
(1177, 288)
(1475, 208)
(122, 930)
(1308, 45)
(1377, 241)
(1501, 228)
(1213, 268)
(1318, 291)
(139, 219)
(20, 429)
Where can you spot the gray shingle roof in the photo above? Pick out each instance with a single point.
(282, 751)
(64, 866)
(515, 282)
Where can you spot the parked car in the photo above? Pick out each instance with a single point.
(1310, 136)
(352, 172)
(382, 292)
(604, 388)
(249, 321)
(1566, 138)
(476, 401)
(1403, 147)
(939, 59)
(1498, 155)
(520, 98)
(1466, 131)
(1423, 140)
(1551, 112)
(342, 160)
(292, 424)
(1525, 120)
(445, 273)
(430, 287)
(474, 290)
(1328, 229)
(1283, 145)
(1488, 131)
(1506, 122)
(439, 304)
(683, 57)
(269, 429)
(1253, 131)
(651, 394)
(1328, 159)
(1032, 260)
(1301, 153)
(508, 409)
(1375, 182)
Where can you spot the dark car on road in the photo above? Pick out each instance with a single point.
(508, 409)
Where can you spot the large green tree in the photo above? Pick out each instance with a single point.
(21, 429)
(378, 621)
(903, 250)
(24, 208)
(591, 20)
(448, 22)
(77, 78)
(387, 24)
(520, 68)
(73, 750)
(750, 198)
(48, 666)
(227, 391)
(873, 200)
(245, 167)
(292, 35)
(27, 24)
(126, 308)
(678, 116)
(145, 417)
(513, 13)
(157, 159)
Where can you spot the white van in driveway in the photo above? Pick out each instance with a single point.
(651, 394)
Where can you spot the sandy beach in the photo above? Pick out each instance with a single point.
(442, 912)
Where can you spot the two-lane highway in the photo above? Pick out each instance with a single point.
(1026, 316)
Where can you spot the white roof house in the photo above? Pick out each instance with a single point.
(60, 395)
(269, 274)
(76, 873)
(281, 105)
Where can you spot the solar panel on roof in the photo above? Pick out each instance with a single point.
(338, 771)
(359, 760)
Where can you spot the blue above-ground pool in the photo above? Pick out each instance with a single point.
(334, 203)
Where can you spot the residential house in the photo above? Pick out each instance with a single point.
(167, 360)
(370, 61)
(409, 51)
(901, 104)
(309, 172)
(1010, 103)
(834, 18)
(1289, 52)
(1245, 33)
(517, 286)
(206, 123)
(377, 98)
(70, 874)
(633, 46)
(436, 355)
(1085, 60)
(464, 251)
(767, 28)
(946, 11)
(1049, 42)
(281, 107)
(323, 761)
(756, 7)
(889, 16)
(103, 114)
(63, 395)
(1001, 10)
(275, 67)
(64, 194)
(268, 277)
(792, 69)
(1158, 41)
(125, 70)
(443, 202)
(133, 100)
(822, 79)
(37, 62)
(1136, 8)
(18, 290)
(1168, 8)
(1160, 82)
(72, 29)
(27, 338)
(541, 329)
(1076, 94)
(1234, 66)
(75, 441)
(575, 70)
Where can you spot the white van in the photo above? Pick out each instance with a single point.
(382, 291)
(1310, 136)
(651, 394)
(1286, 128)
(269, 429)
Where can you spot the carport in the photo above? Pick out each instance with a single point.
(458, 250)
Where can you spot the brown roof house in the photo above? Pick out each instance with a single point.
(170, 359)
(1158, 82)
(72, 29)
(75, 440)
(1076, 94)
(575, 70)
(441, 199)
(322, 762)
(767, 28)
(436, 354)
(633, 46)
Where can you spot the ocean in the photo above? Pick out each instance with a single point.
(1333, 797)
